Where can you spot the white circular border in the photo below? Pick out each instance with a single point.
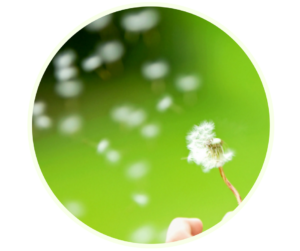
(163, 5)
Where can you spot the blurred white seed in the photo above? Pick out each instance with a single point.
(64, 58)
(121, 113)
(187, 83)
(131, 22)
(91, 63)
(143, 234)
(39, 108)
(102, 146)
(137, 170)
(136, 118)
(42, 122)
(70, 124)
(164, 103)
(99, 24)
(66, 73)
(128, 115)
(111, 51)
(75, 207)
(113, 156)
(155, 70)
(141, 199)
(150, 18)
(140, 21)
(69, 89)
(150, 130)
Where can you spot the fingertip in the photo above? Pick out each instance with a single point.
(183, 228)
(179, 229)
(178, 236)
(196, 226)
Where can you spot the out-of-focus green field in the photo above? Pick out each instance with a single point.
(231, 95)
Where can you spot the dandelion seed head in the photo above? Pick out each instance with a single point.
(69, 89)
(64, 59)
(111, 51)
(228, 155)
(164, 104)
(202, 134)
(102, 146)
(91, 63)
(216, 141)
(39, 108)
(42, 122)
(155, 70)
(99, 24)
(205, 149)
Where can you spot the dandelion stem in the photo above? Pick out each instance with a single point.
(231, 187)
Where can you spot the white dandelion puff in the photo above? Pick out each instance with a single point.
(141, 199)
(207, 150)
(128, 115)
(155, 70)
(66, 73)
(136, 118)
(150, 130)
(64, 59)
(140, 21)
(70, 124)
(111, 51)
(42, 122)
(39, 108)
(69, 89)
(102, 146)
(113, 156)
(91, 63)
(187, 83)
(121, 113)
(137, 170)
(164, 103)
(99, 24)
(150, 19)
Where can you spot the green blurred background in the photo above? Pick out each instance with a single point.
(231, 95)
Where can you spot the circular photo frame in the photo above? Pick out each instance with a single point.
(151, 125)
